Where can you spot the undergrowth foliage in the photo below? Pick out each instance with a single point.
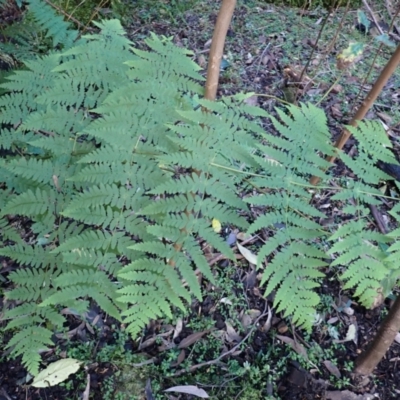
(117, 170)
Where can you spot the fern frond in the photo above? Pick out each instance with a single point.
(28, 342)
(55, 26)
(293, 273)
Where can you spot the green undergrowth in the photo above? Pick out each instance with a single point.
(118, 168)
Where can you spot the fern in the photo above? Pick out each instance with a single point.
(116, 219)
(119, 168)
(360, 250)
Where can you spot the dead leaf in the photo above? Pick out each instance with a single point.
(208, 43)
(178, 328)
(201, 60)
(152, 340)
(337, 89)
(231, 334)
(251, 101)
(86, 393)
(332, 320)
(181, 358)
(296, 346)
(193, 338)
(386, 118)
(351, 333)
(347, 395)
(282, 327)
(335, 110)
(189, 389)
(148, 390)
(225, 300)
(247, 254)
(332, 368)
(254, 314)
(245, 321)
(268, 323)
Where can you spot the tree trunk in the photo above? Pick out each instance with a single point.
(217, 47)
(368, 360)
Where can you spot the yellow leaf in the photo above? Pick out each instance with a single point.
(216, 225)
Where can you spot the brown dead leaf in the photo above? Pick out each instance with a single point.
(296, 346)
(336, 112)
(268, 323)
(386, 118)
(332, 368)
(282, 327)
(337, 89)
(193, 338)
(152, 340)
(180, 359)
(231, 334)
(201, 60)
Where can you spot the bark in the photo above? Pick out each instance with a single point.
(217, 47)
(368, 360)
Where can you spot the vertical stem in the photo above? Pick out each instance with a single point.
(217, 47)
(386, 73)
(368, 360)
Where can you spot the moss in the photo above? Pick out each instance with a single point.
(315, 3)
(82, 10)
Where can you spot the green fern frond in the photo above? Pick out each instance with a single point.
(288, 160)
(293, 273)
(359, 250)
(28, 342)
(55, 26)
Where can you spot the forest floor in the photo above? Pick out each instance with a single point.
(269, 358)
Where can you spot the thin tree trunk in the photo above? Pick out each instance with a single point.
(217, 47)
(386, 73)
(368, 360)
